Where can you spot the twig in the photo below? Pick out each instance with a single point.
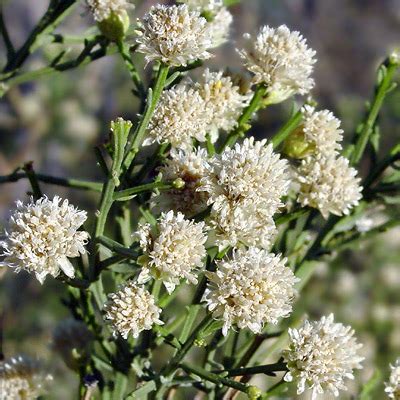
(388, 68)
(66, 182)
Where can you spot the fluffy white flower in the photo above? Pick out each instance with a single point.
(219, 27)
(22, 378)
(218, 17)
(251, 289)
(174, 252)
(179, 117)
(245, 185)
(392, 388)
(250, 226)
(42, 235)
(131, 310)
(321, 355)
(224, 101)
(280, 59)
(174, 35)
(328, 184)
(101, 9)
(189, 167)
(322, 130)
(249, 173)
(210, 6)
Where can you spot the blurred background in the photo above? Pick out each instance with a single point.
(56, 122)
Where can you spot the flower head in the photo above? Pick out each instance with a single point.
(174, 251)
(245, 185)
(328, 184)
(209, 6)
(251, 289)
(250, 226)
(179, 117)
(102, 9)
(223, 100)
(22, 378)
(249, 173)
(219, 27)
(188, 166)
(219, 19)
(319, 134)
(280, 59)
(131, 310)
(174, 35)
(42, 235)
(321, 355)
(392, 388)
(72, 340)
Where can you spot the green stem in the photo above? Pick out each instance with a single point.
(175, 361)
(294, 214)
(30, 173)
(147, 187)
(152, 99)
(117, 247)
(248, 112)
(56, 12)
(10, 81)
(389, 67)
(119, 135)
(259, 369)
(6, 37)
(217, 379)
(287, 129)
(124, 50)
(393, 156)
(66, 182)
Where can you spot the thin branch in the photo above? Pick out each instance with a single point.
(6, 37)
(388, 69)
(56, 12)
(53, 180)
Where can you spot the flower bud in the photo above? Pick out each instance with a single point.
(297, 146)
(115, 26)
(254, 393)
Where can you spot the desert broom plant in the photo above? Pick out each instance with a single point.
(238, 221)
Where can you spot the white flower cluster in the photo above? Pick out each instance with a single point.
(281, 60)
(180, 117)
(210, 6)
(251, 289)
(321, 355)
(189, 167)
(322, 131)
(219, 19)
(329, 184)
(187, 112)
(245, 185)
(393, 386)
(41, 237)
(102, 9)
(174, 35)
(22, 378)
(326, 180)
(223, 101)
(131, 310)
(172, 253)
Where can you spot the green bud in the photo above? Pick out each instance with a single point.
(178, 183)
(254, 393)
(115, 26)
(296, 145)
(394, 57)
(200, 343)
